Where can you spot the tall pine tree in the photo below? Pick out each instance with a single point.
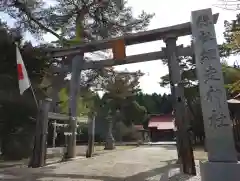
(63, 18)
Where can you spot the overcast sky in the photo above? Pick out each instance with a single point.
(167, 13)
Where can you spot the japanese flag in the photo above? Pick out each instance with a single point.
(23, 79)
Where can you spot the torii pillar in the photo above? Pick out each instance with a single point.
(77, 65)
(183, 140)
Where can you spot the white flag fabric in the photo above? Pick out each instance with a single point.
(23, 80)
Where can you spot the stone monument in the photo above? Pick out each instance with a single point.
(222, 162)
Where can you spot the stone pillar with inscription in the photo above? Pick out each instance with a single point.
(222, 158)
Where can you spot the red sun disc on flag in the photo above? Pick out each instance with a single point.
(20, 72)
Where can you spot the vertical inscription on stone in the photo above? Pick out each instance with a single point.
(217, 123)
(216, 120)
(213, 95)
(203, 20)
(207, 56)
(211, 74)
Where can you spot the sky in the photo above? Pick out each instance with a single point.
(167, 13)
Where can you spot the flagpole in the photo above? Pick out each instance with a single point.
(34, 96)
(33, 93)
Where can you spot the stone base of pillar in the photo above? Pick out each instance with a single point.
(219, 171)
(178, 161)
(110, 143)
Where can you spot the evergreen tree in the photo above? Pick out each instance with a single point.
(155, 103)
(18, 115)
(121, 88)
(75, 22)
(93, 19)
(232, 47)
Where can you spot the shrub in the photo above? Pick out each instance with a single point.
(16, 130)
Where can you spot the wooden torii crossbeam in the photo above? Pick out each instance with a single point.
(131, 39)
(182, 51)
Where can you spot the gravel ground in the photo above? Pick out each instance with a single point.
(138, 164)
(55, 155)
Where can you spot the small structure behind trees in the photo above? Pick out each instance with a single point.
(161, 127)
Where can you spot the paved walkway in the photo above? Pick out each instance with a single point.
(139, 164)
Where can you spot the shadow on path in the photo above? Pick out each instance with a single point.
(46, 173)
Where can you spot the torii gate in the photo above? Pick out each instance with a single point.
(222, 162)
(169, 35)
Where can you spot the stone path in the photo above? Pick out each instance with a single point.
(139, 164)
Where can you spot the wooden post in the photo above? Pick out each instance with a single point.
(46, 107)
(54, 134)
(237, 126)
(183, 139)
(77, 63)
(35, 152)
(110, 142)
(38, 158)
(91, 134)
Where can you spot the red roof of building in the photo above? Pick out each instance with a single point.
(161, 122)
